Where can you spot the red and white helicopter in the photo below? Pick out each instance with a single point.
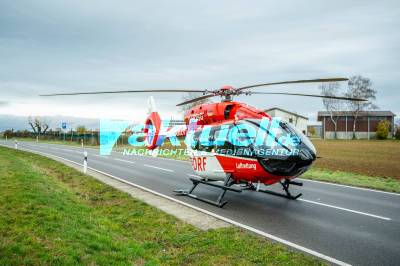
(247, 168)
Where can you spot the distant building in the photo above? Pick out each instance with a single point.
(299, 121)
(366, 124)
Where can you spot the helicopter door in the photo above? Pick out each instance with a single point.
(204, 161)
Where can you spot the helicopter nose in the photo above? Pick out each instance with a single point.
(293, 165)
(306, 154)
(306, 157)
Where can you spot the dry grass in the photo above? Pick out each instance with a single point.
(371, 158)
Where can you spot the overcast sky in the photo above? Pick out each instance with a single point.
(66, 46)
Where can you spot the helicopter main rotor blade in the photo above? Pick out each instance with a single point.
(292, 82)
(129, 91)
(312, 95)
(197, 99)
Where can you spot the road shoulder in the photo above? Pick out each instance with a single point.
(191, 216)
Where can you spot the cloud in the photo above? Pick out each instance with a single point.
(98, 45)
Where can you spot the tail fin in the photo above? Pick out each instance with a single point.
(152, 125)
(151, 105)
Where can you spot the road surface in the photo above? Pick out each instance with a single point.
(352, 225)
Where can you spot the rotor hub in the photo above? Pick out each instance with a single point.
(226, 88)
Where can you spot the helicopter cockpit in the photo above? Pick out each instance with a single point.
(281, 150)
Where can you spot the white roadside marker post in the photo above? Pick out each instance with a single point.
(16, 144)
(85, 162)
(154, 153)
(6, 137)
(82, 142)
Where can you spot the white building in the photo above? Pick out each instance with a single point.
(299, 121)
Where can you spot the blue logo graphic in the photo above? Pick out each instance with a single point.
(267, 133)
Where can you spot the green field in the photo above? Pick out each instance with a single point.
(53, 214)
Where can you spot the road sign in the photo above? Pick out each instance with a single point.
(64, 125)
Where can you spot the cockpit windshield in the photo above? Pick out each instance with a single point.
(250, 138)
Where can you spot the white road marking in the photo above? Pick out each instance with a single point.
(101, 156)
(249, 228)
(309, 180)
(159, 168)
(330, 206)
(304, 200)
(359, 188)
(246, 227)
(170, 159)
(344, 209)
(157, 157)
(123, 160)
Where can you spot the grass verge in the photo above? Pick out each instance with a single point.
(352, 179)
(53, 214)
(350, 154)
(339, 177)
(59, 142)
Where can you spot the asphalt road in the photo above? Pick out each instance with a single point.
(355, 226)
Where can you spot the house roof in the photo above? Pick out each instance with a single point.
(351, 113)
(285, 111)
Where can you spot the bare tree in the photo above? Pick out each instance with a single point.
(312, 131)
(189, 96)
(9, 133)
(332, 105)
(360, 87)
(81, 129)
(39, 126)
(397, 129)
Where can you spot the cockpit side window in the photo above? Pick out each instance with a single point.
(227, 111)
(204, 142)
(195, 142)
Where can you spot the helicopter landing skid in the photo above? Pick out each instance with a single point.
(285, 187)
(219, 203)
